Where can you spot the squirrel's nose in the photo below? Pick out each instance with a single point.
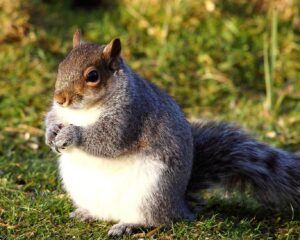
(61, 98)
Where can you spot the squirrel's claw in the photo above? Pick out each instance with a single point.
(56, 149)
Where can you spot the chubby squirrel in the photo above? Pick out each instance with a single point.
(127, 153)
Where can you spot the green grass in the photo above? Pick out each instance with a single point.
(211, 60)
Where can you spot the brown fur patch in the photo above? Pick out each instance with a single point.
(79, 87)
(142, 143)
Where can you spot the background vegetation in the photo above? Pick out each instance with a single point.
(236, 61)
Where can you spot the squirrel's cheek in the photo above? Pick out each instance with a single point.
(80, 88)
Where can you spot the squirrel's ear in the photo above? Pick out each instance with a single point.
(112, 51)
(77, 38)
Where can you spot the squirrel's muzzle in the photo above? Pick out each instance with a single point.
(62, 98)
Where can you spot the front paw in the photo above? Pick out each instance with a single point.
(67, 136)
(51, 133)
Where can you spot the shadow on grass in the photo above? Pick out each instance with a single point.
(245, 215)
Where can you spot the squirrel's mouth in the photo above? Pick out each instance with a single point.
(69, 106)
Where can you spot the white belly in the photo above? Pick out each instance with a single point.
(109, 189)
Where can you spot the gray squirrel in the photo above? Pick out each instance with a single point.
(128, 154)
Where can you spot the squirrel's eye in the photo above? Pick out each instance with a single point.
(92, 76)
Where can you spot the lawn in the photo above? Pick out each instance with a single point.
(235, 61)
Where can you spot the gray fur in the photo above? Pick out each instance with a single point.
(144, 119)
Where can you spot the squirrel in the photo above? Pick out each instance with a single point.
(129, 155)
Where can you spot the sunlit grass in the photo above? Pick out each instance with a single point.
(209, 55)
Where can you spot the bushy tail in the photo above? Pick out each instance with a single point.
(228, 156)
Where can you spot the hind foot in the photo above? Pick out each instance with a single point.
(120, 229)
(81, 214)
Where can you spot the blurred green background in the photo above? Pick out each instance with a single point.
(236, 61)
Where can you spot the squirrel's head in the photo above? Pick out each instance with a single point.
(86, 74)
